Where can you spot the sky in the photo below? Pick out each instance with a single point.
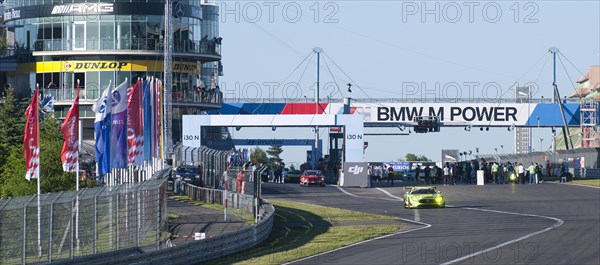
(382, 47)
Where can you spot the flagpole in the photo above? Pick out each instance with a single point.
(37, 174)
(77, 171)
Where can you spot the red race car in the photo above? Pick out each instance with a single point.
(312, 177)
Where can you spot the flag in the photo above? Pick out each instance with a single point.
(47, 104)
(70, 130)
(147, 120)
(155, 128)
(159, 115)
(102, 108)
(135, 130)
(31, 141)
(118, 130)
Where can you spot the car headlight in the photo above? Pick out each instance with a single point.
(439, 199)
(512, 176)
(322, 179)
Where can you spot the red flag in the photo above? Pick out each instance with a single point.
(135, 125)
(31, 141)
(70, 130)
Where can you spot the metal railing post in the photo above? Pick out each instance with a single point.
(24, 257)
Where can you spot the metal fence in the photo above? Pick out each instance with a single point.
(90, 221)
(214, 162)
(239, 194)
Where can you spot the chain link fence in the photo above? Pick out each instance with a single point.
(90, 221)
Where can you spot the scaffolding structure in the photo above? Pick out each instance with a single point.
(589, 122)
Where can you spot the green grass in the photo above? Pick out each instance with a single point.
(299, 231)
(589, 182)
(246, 216)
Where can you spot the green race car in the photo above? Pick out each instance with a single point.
(422, 197)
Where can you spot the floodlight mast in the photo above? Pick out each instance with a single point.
(316, 155)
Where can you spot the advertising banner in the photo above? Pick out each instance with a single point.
(355, 175)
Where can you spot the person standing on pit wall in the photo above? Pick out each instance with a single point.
(446, 173)
(427, 175)
(468, 170)
(239, 180)
(495, 169)
(417, 172)
(532, 169)
(391, 175)
(521, 174)
(548, 169)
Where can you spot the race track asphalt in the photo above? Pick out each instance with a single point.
(549, 223)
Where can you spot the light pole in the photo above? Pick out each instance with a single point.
(538, 129)
(541, 140)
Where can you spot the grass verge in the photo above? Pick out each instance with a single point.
(589, 182)
(247, 217)
(302, 230)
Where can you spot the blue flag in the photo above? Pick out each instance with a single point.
(147, 121)
(102, 108)
(118, 130)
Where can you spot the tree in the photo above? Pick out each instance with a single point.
(258, 156)
(53, 179)
(413, 157)
(12, 120)
(275, 162)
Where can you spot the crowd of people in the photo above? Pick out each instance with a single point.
(493, 173)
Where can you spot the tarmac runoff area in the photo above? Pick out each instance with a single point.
(193, 219)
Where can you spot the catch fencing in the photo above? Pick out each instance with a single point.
(91, 221)
(214, 162)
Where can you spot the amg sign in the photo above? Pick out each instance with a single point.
(97, 8)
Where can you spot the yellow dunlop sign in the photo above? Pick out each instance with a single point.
(84, 66)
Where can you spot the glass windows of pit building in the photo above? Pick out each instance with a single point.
(106, 32)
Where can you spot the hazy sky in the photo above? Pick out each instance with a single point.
(383, 47)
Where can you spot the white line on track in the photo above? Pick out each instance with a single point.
(367, 197)
(424, 226)
(558, 223)
(388, 194)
